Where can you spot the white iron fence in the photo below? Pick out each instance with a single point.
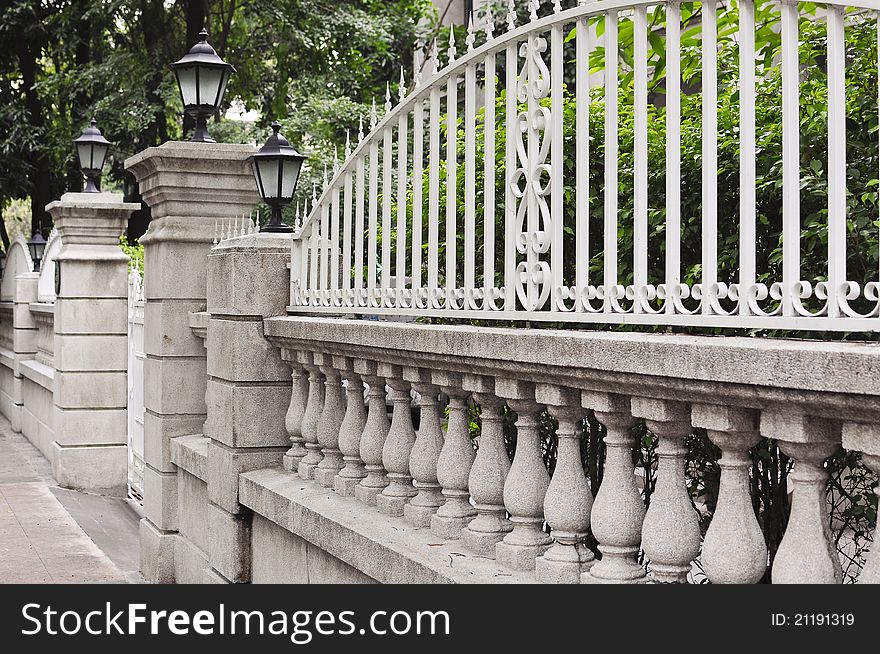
(136, 358)
(492, 215)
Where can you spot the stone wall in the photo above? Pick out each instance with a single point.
(63, 343)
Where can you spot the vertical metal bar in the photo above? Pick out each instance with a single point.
(673, 148)
(710, 152)
(747, 153)
(640, 152)
(611, 150)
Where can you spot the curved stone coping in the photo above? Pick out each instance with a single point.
(7, 357)
(191, 454)
(841, 379)
(388, 550)
(198, 322)
(39, 373)
(42, 308)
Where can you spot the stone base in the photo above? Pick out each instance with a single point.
(392, 505)
(345, 485)
(157, 553)
(618, 566)
(326, 476)
(589, 577)
(419, 516)
(367, 494)
(481, 543)
(95, 469)
(519, 557)
(306, 470)
(291, 463)
(449, 527)
(554, 571)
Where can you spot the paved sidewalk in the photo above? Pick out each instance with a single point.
(53, 535)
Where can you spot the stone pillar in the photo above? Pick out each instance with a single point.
(189, 187)
(90, 451)
(248, 387)
(24, 338)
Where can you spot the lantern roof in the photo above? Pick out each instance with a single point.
(202, 53)
(277, 146)
(92, 135)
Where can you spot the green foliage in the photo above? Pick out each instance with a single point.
(134, 252)
(314, 64)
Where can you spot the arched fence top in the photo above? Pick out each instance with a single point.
(18, 260)
(46, 282)
(484, 193)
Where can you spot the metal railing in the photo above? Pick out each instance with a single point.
(395, 232)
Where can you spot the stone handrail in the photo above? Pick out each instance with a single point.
(811, 397)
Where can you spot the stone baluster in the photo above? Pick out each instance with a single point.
(807, 554)
(425, 451)
(331, 420)
(398, 445)
(864, 438)
(351, 429)
(454, 464)
(526, 483)
(311, 416)
(568, 501)
(293, 420)
(375, 431)
(671, 531)
(489, 472)
(734, 551)
(618, 510)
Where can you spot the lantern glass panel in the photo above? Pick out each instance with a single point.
(256, 171)
(84, 152)
(186, 77)
(226, 73)
(99, 154)
(289, 177)
(210, 81)
(269, 175)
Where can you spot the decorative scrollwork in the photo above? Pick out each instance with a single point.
(528, 185)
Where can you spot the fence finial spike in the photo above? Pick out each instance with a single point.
(435, 58)
(557, 7)
(216, 233)
(335, 159)
(257, 222)
(373, 115)
(315, 189)
(511, 15)
(417, 68)
(347, 143)
(533, 9)
(360, 128)
(401, 88)
(387, 96)
(450, 51)
(235, 227)
(489, 27)
(471, 37)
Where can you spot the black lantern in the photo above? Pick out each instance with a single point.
(36, 246)
(91, 150)
(276, 168)
(202, 77)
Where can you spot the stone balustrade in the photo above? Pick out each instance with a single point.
(434, 470)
